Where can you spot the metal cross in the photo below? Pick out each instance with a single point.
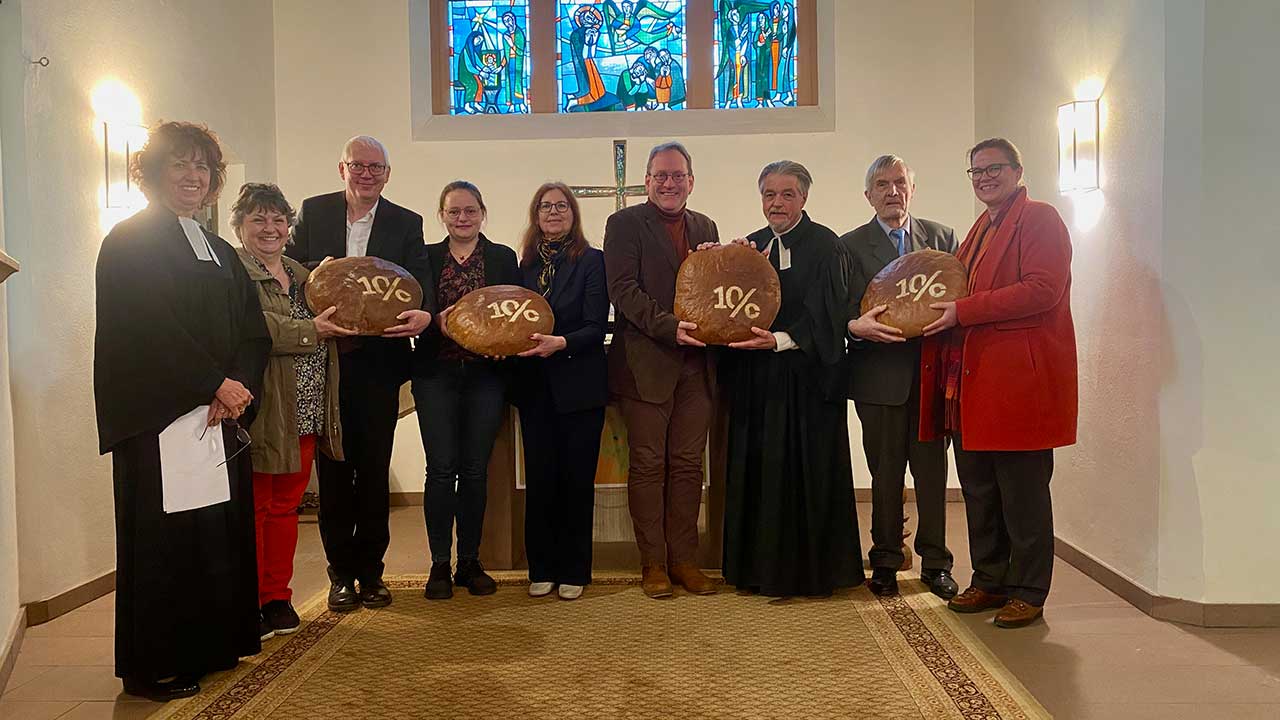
(620, 190)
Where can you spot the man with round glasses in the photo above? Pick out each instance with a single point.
(662, 376)
(1004, 380)
(354, 494)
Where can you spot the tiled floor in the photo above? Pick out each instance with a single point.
(1093, 657)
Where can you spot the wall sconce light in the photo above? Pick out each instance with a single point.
(1078, 146)
(120, 141)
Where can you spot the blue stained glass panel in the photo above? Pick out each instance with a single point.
(621, 55)
(489, 63)
(754, 53)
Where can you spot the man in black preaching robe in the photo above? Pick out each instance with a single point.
(178, 327)
(790, 524)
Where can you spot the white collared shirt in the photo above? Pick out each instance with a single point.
(781, 337)
(358, 233)
(906, 228)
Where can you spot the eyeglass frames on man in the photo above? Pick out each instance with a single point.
(661, 177)
(358, 168)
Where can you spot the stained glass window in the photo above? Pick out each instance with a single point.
(489, 57)
(754, 53)
(621, 55)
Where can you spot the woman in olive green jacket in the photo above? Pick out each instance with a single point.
(298, 409)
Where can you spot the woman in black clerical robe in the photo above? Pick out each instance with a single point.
(178, 327)
(790, 525)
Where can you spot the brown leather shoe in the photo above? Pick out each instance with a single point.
(654, 581)
(974, 600)
(1018, 613)
(691, 578)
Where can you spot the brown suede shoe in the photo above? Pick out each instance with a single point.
(654, 581)
(974, 600)
(691, 578)
(1018, 613)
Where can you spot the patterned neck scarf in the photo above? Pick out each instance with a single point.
(549, 250)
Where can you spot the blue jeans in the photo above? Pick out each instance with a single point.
(460, 408)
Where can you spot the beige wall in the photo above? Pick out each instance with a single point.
(1173, 480)
(181, 60)
(9, 616)
(914, 99)
(1222, 466)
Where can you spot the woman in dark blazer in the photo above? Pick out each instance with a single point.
(460, 395)
(563, 388)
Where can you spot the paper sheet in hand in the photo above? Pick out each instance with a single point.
(193, 472)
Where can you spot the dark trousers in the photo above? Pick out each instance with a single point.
(1010, 515)
(354, 492)
(460, 408)
(890, 439)
(560, 456)
(664, 486)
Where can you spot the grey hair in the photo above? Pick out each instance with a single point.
(884, 162)
(367, 141)
(787, 167)
(664, 147)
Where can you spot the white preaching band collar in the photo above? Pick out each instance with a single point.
(199, 243)
(784, 253)
(358, 232)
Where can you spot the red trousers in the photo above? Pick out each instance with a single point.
(275, 515)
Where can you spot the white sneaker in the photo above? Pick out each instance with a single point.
(570, 592)
(540, 589)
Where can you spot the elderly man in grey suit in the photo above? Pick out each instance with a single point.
(885, 387)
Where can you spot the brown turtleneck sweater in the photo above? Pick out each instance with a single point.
(675, 225)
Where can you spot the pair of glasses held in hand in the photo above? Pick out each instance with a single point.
(241, 434)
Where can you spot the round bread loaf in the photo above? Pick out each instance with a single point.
(369, 293)
(496, 321)
(726, 291)
(909, 285)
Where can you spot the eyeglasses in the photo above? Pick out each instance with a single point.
(661, 178)
(990, 171)
(561, 207)
(455, 213)
(241, 434)
(375, 169)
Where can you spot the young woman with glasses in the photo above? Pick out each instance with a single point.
(460, 395)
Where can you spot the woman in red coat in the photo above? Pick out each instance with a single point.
(1002, 383)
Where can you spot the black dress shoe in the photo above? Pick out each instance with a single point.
(343, 597)
(940, 583)
(472, 576)
(883, 582)
(162, 691)
(439, 584)
(374, 594)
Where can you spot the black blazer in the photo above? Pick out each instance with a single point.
(396, 235)
(500, 268)
(577, 376)
(882, 373)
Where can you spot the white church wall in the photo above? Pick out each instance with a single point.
(340, 73)
(1221, 469)
(1032, 57)
(9, 607)
(169, 60)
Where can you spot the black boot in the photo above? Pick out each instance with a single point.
(439, 584)
(473, 577)
(179, 687)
